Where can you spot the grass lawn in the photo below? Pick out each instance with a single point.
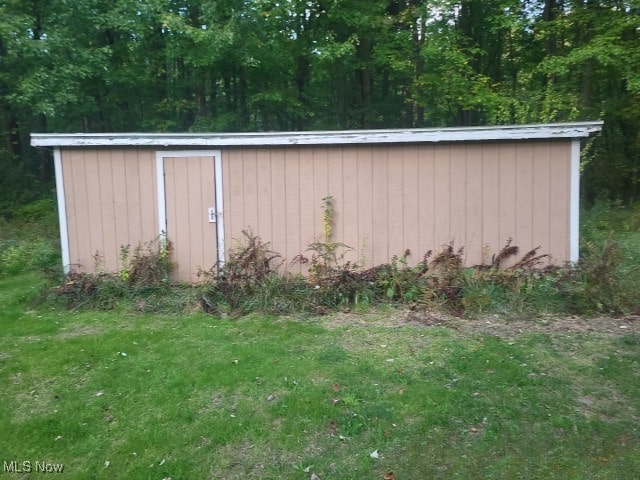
(117, 395)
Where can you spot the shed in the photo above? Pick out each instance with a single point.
(393, 191)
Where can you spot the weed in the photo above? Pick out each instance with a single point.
(144, 274)
(149, 264)
(597, 283)
(605, 280)
(26, 255)
(249, 280)
(399, 281)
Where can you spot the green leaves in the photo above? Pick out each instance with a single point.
(127, 65)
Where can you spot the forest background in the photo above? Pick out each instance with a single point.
(261, 65)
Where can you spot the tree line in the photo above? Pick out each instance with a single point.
(261, 65)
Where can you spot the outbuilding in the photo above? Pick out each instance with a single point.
(392, 190)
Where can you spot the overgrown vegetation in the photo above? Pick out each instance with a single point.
(253, 279)
(29, 241)
(142, 283)
(606, 280)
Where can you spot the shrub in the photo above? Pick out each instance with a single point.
(27, 255)
(149, 264)
(598, 283)
(248, 281)
(142, 282)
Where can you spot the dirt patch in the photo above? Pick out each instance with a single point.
(75, 331)
(512, 328)
(491, 325)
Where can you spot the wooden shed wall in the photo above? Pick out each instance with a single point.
(387, 198)
(392, 198)
(110, 201)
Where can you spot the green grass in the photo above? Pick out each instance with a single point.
(121, 395)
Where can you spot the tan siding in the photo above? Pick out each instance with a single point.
(426, 202)
(321, 190)
(364, 204)
(379, 241)
(264, 205)
(250, 173)
(292, 210)
(279, 231)
(349, 209)
(395, 208)
(507, 208)
(458, 194)
(490, 201)
(473, 205)
(233, 213)
(442, 188)
(524, 195)
(541, 197)
(559, 188)
(410, 192)
(336, 191)
(389, 199)
(308, 203)
(110, 201)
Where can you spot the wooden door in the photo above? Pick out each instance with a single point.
(191, 214)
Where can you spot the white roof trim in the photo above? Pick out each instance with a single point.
(468, 134)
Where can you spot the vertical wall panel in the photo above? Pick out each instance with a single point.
(349, 211)
(426, 201)
(491, 241)
(524, 197)
(308, 202)
(364, 203)
(147, 193)
(120, 194)
(279, 221)
(110, 201)
(541, 204)
(250, 172)
(264, 206)
(410, 191)
(320, 188)
(379, 241)
(395, 199)
(442, 206)
(474, 214)
(507, 208)
(293, 244)
(559, 190)
(458, 194)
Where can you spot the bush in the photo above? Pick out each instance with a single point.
(142, 282)
(602, 282)
(27, 255)
(606, 280)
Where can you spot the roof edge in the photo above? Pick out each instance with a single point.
(340, 137)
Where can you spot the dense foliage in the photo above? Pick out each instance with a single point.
(245, 65)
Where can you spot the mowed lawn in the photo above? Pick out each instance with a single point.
(118, 395)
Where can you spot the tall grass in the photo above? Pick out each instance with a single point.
(29, 240)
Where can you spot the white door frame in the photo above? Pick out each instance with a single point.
(161, 198)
